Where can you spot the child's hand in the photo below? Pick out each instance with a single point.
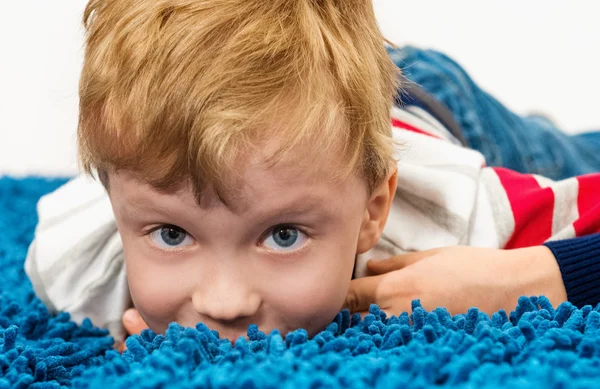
(458, 278)
(133, 323)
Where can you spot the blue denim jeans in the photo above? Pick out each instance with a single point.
(527, 144)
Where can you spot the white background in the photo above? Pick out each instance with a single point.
(533, 55)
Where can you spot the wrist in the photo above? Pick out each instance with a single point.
(538, 274)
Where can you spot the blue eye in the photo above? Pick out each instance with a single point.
(285, 238)
(168, 237)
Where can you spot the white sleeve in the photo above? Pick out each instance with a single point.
(76, 261)
(436, 198)
(446, 196)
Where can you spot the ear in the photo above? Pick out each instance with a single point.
(376, 212)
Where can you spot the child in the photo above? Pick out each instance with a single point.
(248, 168)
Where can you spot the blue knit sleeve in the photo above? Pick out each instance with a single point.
(579, 262)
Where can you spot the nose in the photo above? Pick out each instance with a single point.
(226, 301)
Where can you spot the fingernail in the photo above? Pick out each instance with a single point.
(130, 316)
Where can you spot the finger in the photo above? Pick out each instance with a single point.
(133, 322)
(397, 262)
(121, 347)
(118, 345)
(362, 293)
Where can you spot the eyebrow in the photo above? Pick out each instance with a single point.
(311, 205)
(136, 210)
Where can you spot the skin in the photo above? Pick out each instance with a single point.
(456, 278)
(225, 266)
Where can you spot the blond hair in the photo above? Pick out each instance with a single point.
(180, 89)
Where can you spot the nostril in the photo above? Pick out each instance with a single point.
(227, 310)
(228, 316)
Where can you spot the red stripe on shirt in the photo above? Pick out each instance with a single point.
(588, 205)
(532, 208)
(400, 124)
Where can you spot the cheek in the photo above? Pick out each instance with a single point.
(319, 304)
(310, 296)
(156, 293)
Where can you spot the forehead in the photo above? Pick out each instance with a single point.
(305, 172)
(307, 161)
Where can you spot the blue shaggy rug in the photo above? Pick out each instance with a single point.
(534, 346)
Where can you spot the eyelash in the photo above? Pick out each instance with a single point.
(284, 226)
(175, 250)
(158, 227)
(262, 238)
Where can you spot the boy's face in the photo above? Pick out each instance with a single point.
(281, 255)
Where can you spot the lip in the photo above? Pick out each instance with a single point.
(227, 330)
(233, 337)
